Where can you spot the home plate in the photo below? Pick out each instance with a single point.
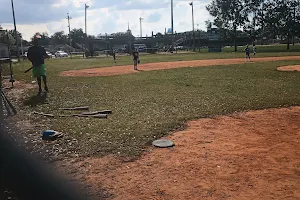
(163, 143)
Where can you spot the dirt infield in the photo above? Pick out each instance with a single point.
(252, 155)
(289, 68)
(128, 69)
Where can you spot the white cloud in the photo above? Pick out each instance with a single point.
(110, 19)
(61, 3)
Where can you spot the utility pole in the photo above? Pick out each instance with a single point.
(172, 18)
(21, 42)
(172, 24)
(141, 32)
(70, 40)
(85, 38)
(16, 33)
(192, 4)
(129, 39)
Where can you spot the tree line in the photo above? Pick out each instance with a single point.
(270, 19)
(61, 38)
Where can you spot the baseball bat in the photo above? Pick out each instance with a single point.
(28, 69)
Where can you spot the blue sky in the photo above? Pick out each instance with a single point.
(104, 16)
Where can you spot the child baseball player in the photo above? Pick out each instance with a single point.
(247, 52)
(136, 60)
(254, 49)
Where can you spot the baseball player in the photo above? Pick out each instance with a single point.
(254, 49)
(37, 54)
(247, 52)
(136, 60)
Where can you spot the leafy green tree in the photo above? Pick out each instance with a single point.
(159, 34)
(91, 37)
(282, 19)
(208, 24)
(13, 37)
(228, 14)
(7, 37)
(77, 35)
(45, 39)
(123, 37)
(254, 9)
(59, 38)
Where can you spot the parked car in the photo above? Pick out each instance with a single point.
(179, 48)
(61, 54)
(24, 55)
(50, 54)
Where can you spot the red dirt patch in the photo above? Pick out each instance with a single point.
(289, 68)
(128, 69)
(252, 155)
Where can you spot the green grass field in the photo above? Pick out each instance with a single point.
(266, 48)
(55, 66)
(151, 104)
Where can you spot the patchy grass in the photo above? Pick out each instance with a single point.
(151, 104)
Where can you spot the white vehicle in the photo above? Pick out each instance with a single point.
(61, 54)
(25, 55)
(50, 54)
(179, 48)
(140, 47)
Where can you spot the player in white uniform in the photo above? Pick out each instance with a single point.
(254, 49)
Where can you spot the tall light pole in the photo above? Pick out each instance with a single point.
(141, 32)
(172, 18)
(70, 40)
(172, 23)
(192, 4)
(16, 33)
(85, 38)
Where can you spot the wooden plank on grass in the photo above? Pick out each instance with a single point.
(44, 114)
(76, 108)
(97, 112)
(94, 116)
(80, 115)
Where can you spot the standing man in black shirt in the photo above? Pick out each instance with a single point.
(37, 54)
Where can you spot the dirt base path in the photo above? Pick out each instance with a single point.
(128, 69)
(252, 155)
(289, 68)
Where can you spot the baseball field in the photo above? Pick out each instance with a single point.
(235, 124)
